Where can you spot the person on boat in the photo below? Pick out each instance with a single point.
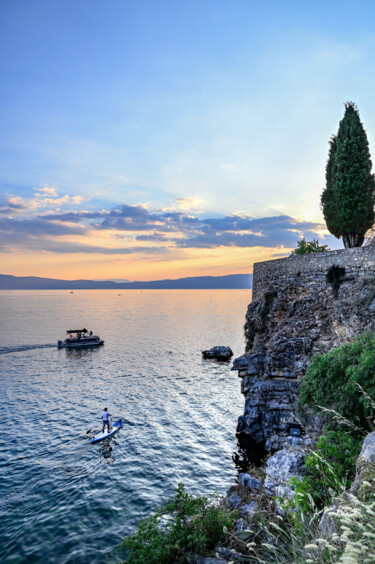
(105, 417)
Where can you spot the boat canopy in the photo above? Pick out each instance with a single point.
(77, 331)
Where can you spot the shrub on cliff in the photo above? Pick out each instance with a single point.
(348, 199)
(187, 524)
(330, 470)
(305, 247)
(344, 380)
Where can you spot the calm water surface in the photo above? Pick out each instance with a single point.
(63, 499)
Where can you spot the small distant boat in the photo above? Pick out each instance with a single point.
(79, 338)
(100, 436)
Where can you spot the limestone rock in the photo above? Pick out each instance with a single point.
(219, 353)
(327, 524)
(241, 524)
(249, 510)
(280, 468)
(229, 554)
(366, 457)
(249, 482)
(233, 500)
(197, 559)
(284, 329)
(367, 453)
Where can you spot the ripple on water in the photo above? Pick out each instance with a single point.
(58, 491)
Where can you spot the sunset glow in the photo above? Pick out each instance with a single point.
(170, 140)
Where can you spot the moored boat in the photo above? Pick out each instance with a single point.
(79, 338)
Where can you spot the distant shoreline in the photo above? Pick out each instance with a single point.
(228, 282)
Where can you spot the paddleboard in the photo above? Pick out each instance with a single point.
(100, 436)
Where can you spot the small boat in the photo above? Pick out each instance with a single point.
(79, 338)
(100, 436)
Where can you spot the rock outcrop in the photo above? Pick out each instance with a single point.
(218, 353)
(362, 487)
(299, 315)
(283, 332)
(365, 462)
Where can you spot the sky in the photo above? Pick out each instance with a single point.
(151, 139)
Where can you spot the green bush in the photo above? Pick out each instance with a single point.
(187, 524)
(330, 470)
(305, 247)
(344, 380)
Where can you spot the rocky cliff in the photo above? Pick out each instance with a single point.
(301, 306)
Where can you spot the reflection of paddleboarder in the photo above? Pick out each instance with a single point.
(105, 417)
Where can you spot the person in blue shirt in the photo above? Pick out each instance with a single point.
(105, 417)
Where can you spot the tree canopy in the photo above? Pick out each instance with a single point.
(348, 199)
(306, 247)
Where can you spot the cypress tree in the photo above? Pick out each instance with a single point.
(348, 199)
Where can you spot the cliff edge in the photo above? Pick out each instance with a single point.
(301, 305)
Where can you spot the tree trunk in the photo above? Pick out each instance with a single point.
(353, 240)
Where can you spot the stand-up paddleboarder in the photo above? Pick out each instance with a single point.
(105, 417)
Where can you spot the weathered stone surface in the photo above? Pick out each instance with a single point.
(229, 554)
(249, 510)
(311, 269)
(249, 482)
(219, 353)
(233, 500)
(197, 559)
(368, 450)
(294, 315)
(241, 524)
(327, 524)
(366, 458)
(281, 467)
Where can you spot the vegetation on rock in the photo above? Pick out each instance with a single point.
(298, 538)
(187, 524)
(344, 379)
(348, 199)
(306, 247)
(330, 470)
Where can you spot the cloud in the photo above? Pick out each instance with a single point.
(93, 249)
(77, 200)
(73, 217)
(44, 199)
(190, 204)
(49, 190)
(38, 226)
(167, 230)
(12, 205)
(17, 241)
(154, 237)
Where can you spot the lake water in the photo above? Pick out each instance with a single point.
(63, 499)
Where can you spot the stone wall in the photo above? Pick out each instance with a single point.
(294, 314)
(311, 268)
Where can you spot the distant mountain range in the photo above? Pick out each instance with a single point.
(229, 282)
